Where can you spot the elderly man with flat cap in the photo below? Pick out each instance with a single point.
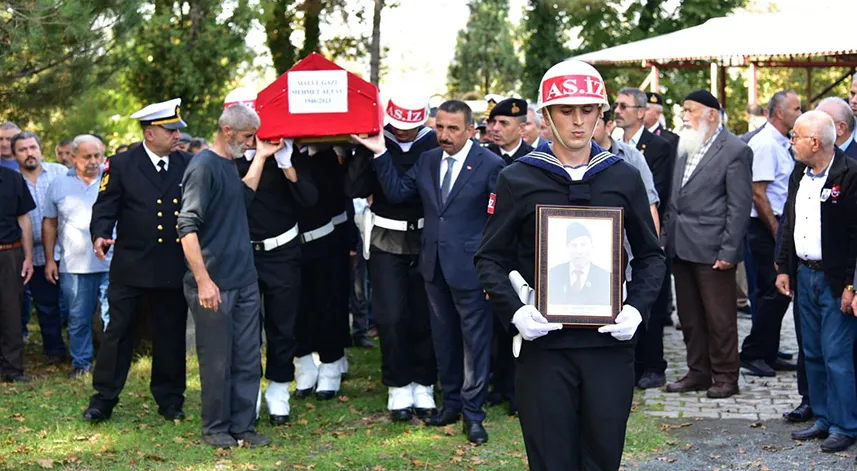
(704, 227)
(506, 123)
(140, 195)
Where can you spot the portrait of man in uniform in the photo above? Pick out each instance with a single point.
(579, 275)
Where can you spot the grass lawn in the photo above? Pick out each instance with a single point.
(41, 428)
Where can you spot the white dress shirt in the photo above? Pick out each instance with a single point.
(456, 167)
(807, 224)
(636, 137)
(772, 163)
(583, 276)
(512, 152)
(155, 158)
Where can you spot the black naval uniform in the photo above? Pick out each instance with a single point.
(273, 213)
(502, 364)
(146, 270)
(321, 327)
(399, 300)
(574, 386)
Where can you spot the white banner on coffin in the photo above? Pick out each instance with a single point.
(318, 91)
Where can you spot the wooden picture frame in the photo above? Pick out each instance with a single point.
(579, 269)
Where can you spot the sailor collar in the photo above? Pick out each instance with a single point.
(544, 158)
(389, 135)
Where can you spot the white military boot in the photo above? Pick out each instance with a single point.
(329, 379)
(424, 404)
(400, 403)
(277, 398)
(306, 376)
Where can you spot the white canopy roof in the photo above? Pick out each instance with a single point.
(742, 38)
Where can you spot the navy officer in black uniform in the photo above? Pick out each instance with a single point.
(140, 194)
(391, 234)
(506, 122)
(574, 386)
(284, 187)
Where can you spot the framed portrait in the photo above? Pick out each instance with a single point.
(579, 264)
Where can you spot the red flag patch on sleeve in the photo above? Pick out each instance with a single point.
(106, 166)
(491, 200)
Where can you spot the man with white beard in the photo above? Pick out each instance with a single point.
(704, 228)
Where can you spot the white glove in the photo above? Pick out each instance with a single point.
(626, 324)
(249, 154)
(532, 324)
(284, 155)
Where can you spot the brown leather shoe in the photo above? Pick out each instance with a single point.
(686, 384)
(722, 390)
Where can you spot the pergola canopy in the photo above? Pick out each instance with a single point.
(739, 40)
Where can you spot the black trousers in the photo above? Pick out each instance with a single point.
(461, 328)
(649, 357)
(574, 406)
(401, 311)
(11, 296)
(763, 342)
(230, 365)
(279, 273)
(341, 256)
(502, 363)
(319, 326)
(168, 318)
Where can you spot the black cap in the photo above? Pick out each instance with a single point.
(513, 107)
(576, 230)
(654, 98)
(481, 124)
(704, 97)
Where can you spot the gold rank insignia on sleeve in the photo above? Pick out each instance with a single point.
(104, 180)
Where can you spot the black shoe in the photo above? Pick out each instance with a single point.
(363, 342)
(78, 372)
(220, 440)
(444, 417)
(325, 395)
(745, 311)
(836, 442)
(303, 393)
(401, 415)
(494, 398)
(277, 420)
(758, 368)
(475, 432)
(171, 413)
(252, 439)
(651, 380)
(513, 409)
(786, 356)
(96, 415)
(21, 378)
(813, 431)
(56, 359)
(784, 365)
(424, 413)
(802, 413)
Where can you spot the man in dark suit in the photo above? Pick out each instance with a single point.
(578, 281)
(844, 121)
(454, 183)
(652, 119)
(704, 230)
(140, 194)
(506, 124)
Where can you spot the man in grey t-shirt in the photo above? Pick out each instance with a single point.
(221, 288)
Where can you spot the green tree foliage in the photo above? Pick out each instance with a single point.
(53, 51)
(308, 18)
(544, 41)
(191, 49)
(485, 60)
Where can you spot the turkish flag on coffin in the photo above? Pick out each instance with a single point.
(316, 100)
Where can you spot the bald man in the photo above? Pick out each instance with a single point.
(844, 122)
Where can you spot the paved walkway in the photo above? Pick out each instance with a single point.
(760, 398)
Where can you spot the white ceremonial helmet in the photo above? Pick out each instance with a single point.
(572, 82)
(240, 96)
(407, 110)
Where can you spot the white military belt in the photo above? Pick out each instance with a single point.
(339, 218)
(395, 225)
(274, 242)
(318, 233)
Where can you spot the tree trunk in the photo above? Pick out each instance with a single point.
(312, 26)
(375, 61)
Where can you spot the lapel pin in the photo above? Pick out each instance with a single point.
(469, 167)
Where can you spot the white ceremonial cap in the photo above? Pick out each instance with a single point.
(165, 114)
